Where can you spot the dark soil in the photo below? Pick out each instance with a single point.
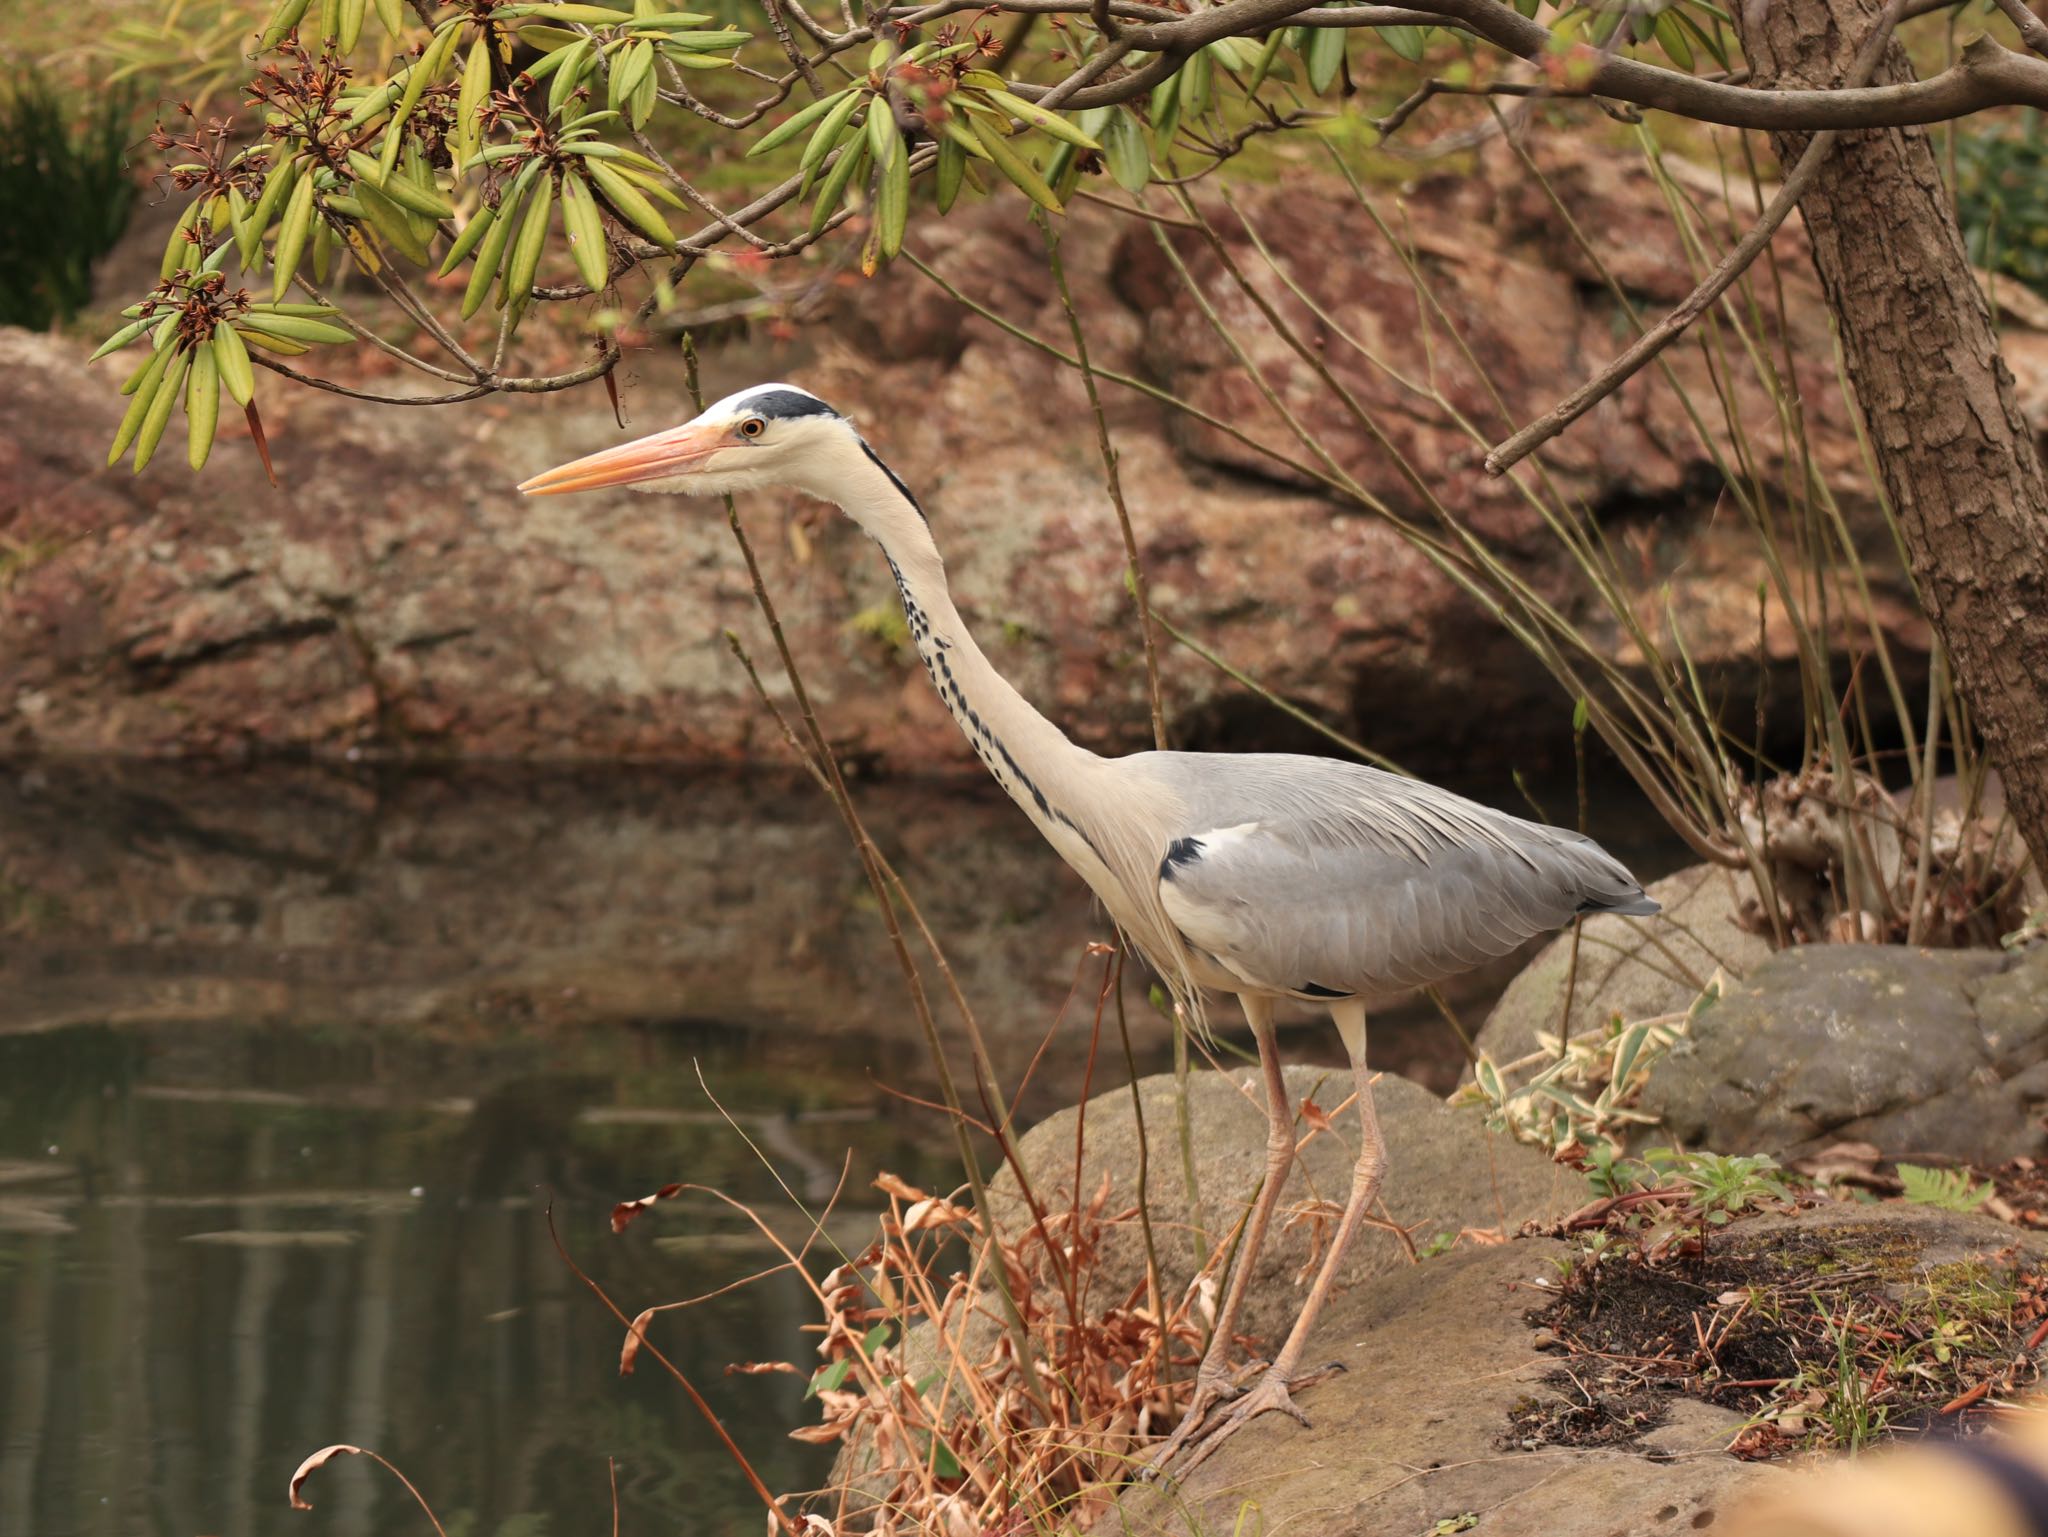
(1597, 1409)
(1826, 1343)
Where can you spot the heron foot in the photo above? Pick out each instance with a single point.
(1271, 1394)
(1212, 1387)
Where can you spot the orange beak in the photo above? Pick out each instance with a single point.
(656, 457)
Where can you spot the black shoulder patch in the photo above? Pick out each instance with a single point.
(1180, 852)
(894, 479)
(782, 405)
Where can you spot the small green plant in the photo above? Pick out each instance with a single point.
(1450, 1526)
(1580, 1102)
(65, 185)
(1611, 1175)
(1665, 1201)
(1853, 1420)
(1950, 1189)
(1585, 1260)
(2031, 931)
(1727, 1184)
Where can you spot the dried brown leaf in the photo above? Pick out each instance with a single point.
(1842, 1160)
(627, 1212)
(313, 1464)
(636, 1336)
(327, 1454)
(1100, 1200)
(889, 1184)
(1322, 1218)
(262, 443)
(821, 1435)
(935, 1211)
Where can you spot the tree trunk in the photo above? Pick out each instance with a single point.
(1955, 451)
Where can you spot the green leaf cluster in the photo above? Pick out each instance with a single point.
(503, 145)
(1949, 1189)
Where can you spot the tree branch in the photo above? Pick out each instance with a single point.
(538, 384)
(2031, 29)
(1987, 75)
(1159, 38)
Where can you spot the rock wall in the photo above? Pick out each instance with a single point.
(397, 597)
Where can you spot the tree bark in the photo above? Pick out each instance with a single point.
(1955, 452)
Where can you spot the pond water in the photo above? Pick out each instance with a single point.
(294, 1064)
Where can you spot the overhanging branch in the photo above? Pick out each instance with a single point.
(1987, 75)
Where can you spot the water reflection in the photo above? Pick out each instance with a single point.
(204, 1278)
(290, 1067)
(292, 1064)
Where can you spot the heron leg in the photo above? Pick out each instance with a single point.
(1366, 1176)
(1213, 1381)
(1272, 1392)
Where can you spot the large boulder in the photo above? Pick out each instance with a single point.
(1440, 1356)
(397, 598)
(1636, 967)
(1445, 1173)
(1928, 1054)
(1443, 1357)
(1454, 1400)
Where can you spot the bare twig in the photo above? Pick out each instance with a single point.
(1718, 282)
(1114, 481)
(1140, 43)
(827, 770)
(779, 23)
(2032, 32)
(710, 1415)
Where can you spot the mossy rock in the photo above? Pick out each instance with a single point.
(1931, 1055)
(1636, 967)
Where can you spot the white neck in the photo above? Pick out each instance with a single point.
(1029, 756)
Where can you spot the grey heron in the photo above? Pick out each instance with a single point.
(1267, 875)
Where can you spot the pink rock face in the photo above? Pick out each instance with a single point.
(399, 598)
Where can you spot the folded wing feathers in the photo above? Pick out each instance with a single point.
(1345, 877)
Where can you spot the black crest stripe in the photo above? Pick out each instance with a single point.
(783, 405)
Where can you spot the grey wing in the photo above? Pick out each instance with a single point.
(1320, 906)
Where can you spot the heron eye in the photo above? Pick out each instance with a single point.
(752, 427)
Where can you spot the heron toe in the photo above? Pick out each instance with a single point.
(1270, 1395)
(1211, 1390)
(1315, 1374)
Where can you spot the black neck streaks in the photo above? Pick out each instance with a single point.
(994, 755)
(895, 480)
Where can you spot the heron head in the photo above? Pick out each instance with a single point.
(772, 434)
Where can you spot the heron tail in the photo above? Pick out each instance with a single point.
(1636, 905)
